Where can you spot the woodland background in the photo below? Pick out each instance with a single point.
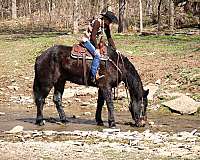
(66, 15)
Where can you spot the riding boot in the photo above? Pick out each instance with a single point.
(95, 67)
(99, 76)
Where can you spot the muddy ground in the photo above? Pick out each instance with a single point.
(17, 107)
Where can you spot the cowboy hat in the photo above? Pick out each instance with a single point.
(110, 16)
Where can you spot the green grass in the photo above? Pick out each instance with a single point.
(32, 45)
(24, 48)
(176, 45)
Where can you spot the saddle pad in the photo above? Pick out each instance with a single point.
(78, 51)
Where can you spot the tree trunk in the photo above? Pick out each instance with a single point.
(75, 17)
(171, 15)
(149, 8)
(14, 9)
(29, 9)
(159, 20)
(122, 21)
(49, 12)
(141, 21)
(1, 9)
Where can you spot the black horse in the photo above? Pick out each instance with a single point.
(55, 66)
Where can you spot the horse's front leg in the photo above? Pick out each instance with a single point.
(100, 103)
(107, 93)
(57, 98)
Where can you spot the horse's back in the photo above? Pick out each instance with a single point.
(56, 49)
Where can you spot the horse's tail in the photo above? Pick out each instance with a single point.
(36, 84)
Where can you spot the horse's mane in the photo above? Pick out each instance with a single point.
(128, 65)
(132, 77)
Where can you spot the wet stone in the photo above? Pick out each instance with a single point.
(183, 105)
(16, 129)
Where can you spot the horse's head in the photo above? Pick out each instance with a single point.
(138, 110)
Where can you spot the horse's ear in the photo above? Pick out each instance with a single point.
(146, 92)
(126, 59)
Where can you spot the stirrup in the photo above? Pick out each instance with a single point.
(99, 76)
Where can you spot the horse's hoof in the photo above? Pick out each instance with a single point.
(112, 125)
(64, 121)
(40, 122)
(100, 124)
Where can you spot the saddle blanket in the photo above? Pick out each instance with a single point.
(78, 51)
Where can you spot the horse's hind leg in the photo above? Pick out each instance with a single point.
(39, 103)
(57, 98)
(100, 103)
(40, 94)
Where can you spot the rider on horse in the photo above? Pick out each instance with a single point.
(95, 29)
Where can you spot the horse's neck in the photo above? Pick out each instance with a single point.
(130, 75)
(133, 81)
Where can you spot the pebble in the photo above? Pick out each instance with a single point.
(133, 142)
(69, 101)
(151, 123)
(77, 99)
(158, 82)
(15, 88)
(194, 131)
(111, 130)
(85, 103)
(161, 143)
(87, 113)
(2, 113)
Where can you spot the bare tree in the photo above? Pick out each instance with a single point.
(14, 9)
(122, 21)
(171, 15)
(75, 17)
(1, 8)
(141, 20)
(159, 19)
(70, 15)
(149, 8)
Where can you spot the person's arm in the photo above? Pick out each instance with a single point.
(94, 33)
(109, 37)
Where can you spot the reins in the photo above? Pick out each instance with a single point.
(126, 86)
(119, 56)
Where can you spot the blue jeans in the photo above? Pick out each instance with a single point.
(96, 58)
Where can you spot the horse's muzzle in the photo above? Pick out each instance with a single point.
(141, 122)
